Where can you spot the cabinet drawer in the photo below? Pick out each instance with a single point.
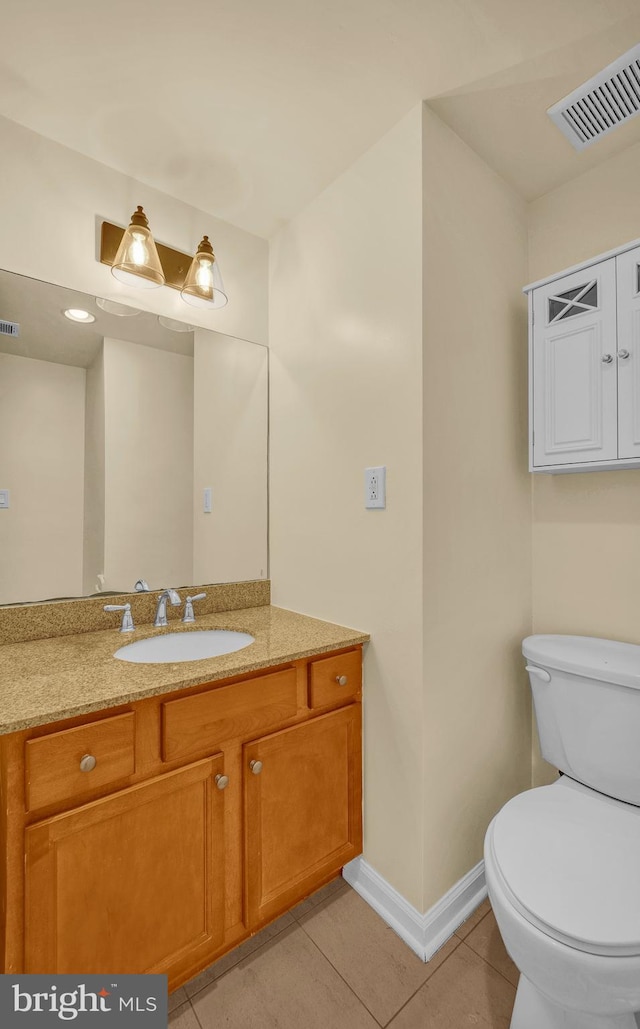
(195, 726)
(325, 689)
(52, 763)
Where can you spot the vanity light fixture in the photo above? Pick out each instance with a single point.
(203, 286)
(136, 262)
(197, 278)
(76, 314)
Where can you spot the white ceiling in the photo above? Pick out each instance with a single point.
(248, 109)
(503, 117)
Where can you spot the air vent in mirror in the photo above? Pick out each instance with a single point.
(9, 328)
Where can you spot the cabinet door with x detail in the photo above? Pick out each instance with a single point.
(575, 368)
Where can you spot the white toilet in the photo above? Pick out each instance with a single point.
(563, 862)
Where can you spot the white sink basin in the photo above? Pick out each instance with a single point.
(184, 646)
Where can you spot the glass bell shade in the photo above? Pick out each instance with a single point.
(203, 286)
(136, 262)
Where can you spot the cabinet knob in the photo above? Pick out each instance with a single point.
(87, 763)
(623, 354)
(222, 781)
(607, 358)
(341, 680)
(256, 767)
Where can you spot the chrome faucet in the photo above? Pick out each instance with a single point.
(161, 611)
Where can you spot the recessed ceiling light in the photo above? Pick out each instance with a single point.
(175, 326)
(113, 307)
(76, 314)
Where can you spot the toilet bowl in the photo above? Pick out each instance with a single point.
(562, 862)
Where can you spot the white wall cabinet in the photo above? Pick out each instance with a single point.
(584, 366)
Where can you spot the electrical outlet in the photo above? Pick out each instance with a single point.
(206, 500)
(375, 487)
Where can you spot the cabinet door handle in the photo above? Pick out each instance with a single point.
(87, 763)
(222, 781)
(256, 767)
(341, 680)
(623, 354)
(607, 358)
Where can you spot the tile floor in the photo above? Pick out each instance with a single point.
(332, 963)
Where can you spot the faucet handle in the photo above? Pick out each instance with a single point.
(188, 607)
(127, 618)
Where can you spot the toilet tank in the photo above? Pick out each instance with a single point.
(586, 695)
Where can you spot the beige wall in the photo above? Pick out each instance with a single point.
(586, 529)
(42, 464)
(477, 503)
(230, 411)
(94, 453)
(402, 341)
(345, 369)
(66, 196)
(148, 521)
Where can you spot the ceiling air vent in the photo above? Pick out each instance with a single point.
(597, 107)
(9, 328)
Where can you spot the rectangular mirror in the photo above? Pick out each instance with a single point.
(131, 448)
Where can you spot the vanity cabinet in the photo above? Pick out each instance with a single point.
(584, 367)
(302, 809)
(132, 881)
(156, 836)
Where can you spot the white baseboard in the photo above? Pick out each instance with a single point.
(425, 934)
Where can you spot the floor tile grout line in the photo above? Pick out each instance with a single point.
(338, 973)
(260, 946)
(417, 989)
(241, 959)
(428, 979)
(490, 965)
(195, 1014)
(294, 921)
(471, 931)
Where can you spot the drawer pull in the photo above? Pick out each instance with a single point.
(222, 781)
(342, 680)
(256, 767)
(87, 763)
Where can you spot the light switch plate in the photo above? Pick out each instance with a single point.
(206, 500)
(375, 492)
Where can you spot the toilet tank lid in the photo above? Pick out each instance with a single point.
(570, 856)
(606, 660)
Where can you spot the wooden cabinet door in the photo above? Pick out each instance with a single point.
(130, 883)
(574, 368)
(302, 809)
(628, 356)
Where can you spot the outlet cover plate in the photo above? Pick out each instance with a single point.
(375, 491)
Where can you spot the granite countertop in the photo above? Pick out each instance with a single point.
(47, 680)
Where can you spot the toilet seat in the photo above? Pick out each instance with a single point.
(568, 859)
